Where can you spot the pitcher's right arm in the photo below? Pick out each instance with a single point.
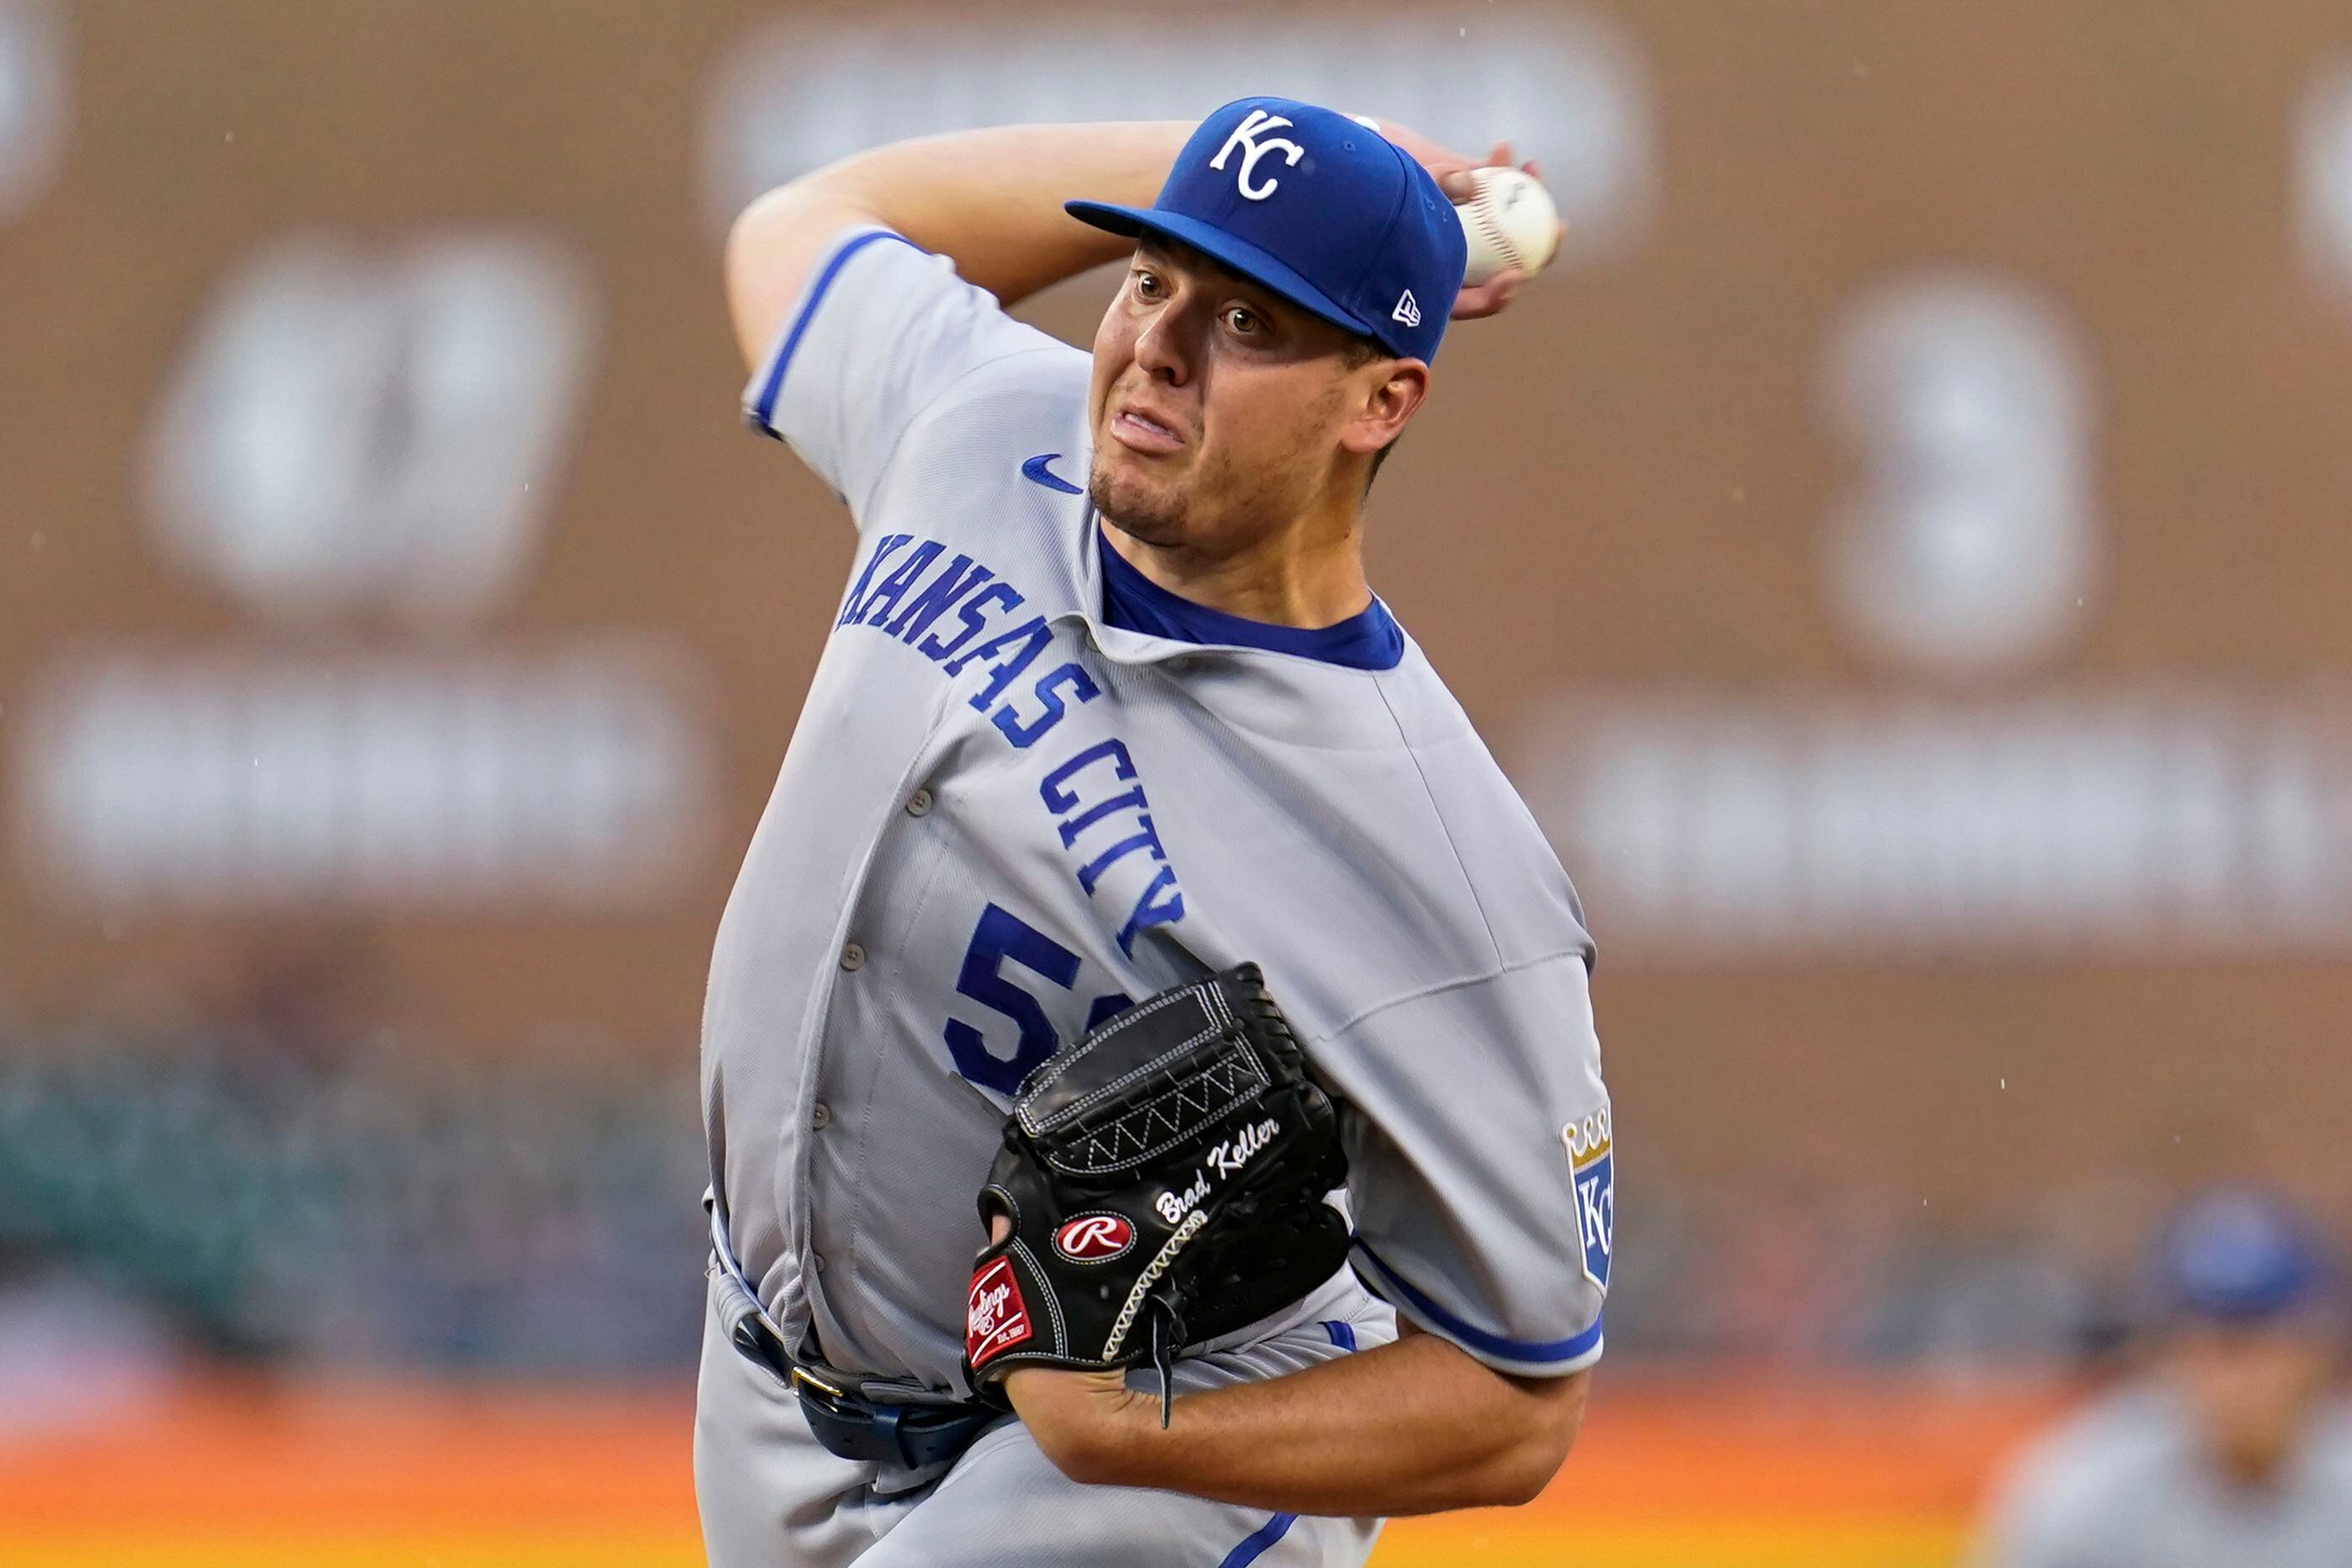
(988, 200)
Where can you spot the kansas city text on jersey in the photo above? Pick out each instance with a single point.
(1095, 795)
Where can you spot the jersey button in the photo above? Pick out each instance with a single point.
(816, 1261)
(819, 1116)
(919, 803)
(853, 957)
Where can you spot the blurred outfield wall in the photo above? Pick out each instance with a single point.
(1900, 551)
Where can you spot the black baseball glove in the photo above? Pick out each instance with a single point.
(1165, 1180)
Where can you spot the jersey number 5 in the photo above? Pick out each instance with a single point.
(1002, 934)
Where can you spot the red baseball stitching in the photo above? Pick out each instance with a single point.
(1483, 208)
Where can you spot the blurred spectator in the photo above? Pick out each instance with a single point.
(2231, 1447)
(72, 1352)
(381, 1203)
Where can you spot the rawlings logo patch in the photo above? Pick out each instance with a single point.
(1094, 1237)
(1592, 1169)
(995, 1318)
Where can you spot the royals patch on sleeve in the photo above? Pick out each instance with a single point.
(1592, 1172)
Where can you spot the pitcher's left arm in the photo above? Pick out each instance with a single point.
(1416, 1426)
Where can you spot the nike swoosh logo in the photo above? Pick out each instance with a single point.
(1036, 471)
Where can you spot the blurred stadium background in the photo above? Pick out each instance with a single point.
(1900, 551)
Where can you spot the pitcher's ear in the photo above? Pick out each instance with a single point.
(1387, 407)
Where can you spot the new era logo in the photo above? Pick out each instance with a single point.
(1408, 309)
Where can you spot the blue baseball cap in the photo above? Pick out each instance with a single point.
(1324, 211)
(2240, 1256)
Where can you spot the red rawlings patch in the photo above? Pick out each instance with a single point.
(1094, 1237)
(995, 1318)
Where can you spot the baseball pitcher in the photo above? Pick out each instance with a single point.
(1154, 1109)
(2231, 1443)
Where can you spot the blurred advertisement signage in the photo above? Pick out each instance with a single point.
(1563, 83)
(577, 778)
(1963, 802)
(2323, 181)
(1965, 542)
(2146, 819)
(36, 102)
(358, 428)
(368, 438)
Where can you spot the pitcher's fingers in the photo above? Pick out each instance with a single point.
(1478, 300)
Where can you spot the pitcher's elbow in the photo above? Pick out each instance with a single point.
(1536, 1458)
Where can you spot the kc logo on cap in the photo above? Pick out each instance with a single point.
(1360, 234)
(1245, 136)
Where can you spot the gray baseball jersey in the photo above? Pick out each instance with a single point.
(2124, 1485)
(997, 806)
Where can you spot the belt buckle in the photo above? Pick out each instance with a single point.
(805, 1379)
(855, 1427)
(878, 1429)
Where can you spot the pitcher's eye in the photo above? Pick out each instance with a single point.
(1245, 321)
(1148, 285)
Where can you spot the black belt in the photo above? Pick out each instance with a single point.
(854, 1426)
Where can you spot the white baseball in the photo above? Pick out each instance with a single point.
(1510, 222)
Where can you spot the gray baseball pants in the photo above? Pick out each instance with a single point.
(770, 1497)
